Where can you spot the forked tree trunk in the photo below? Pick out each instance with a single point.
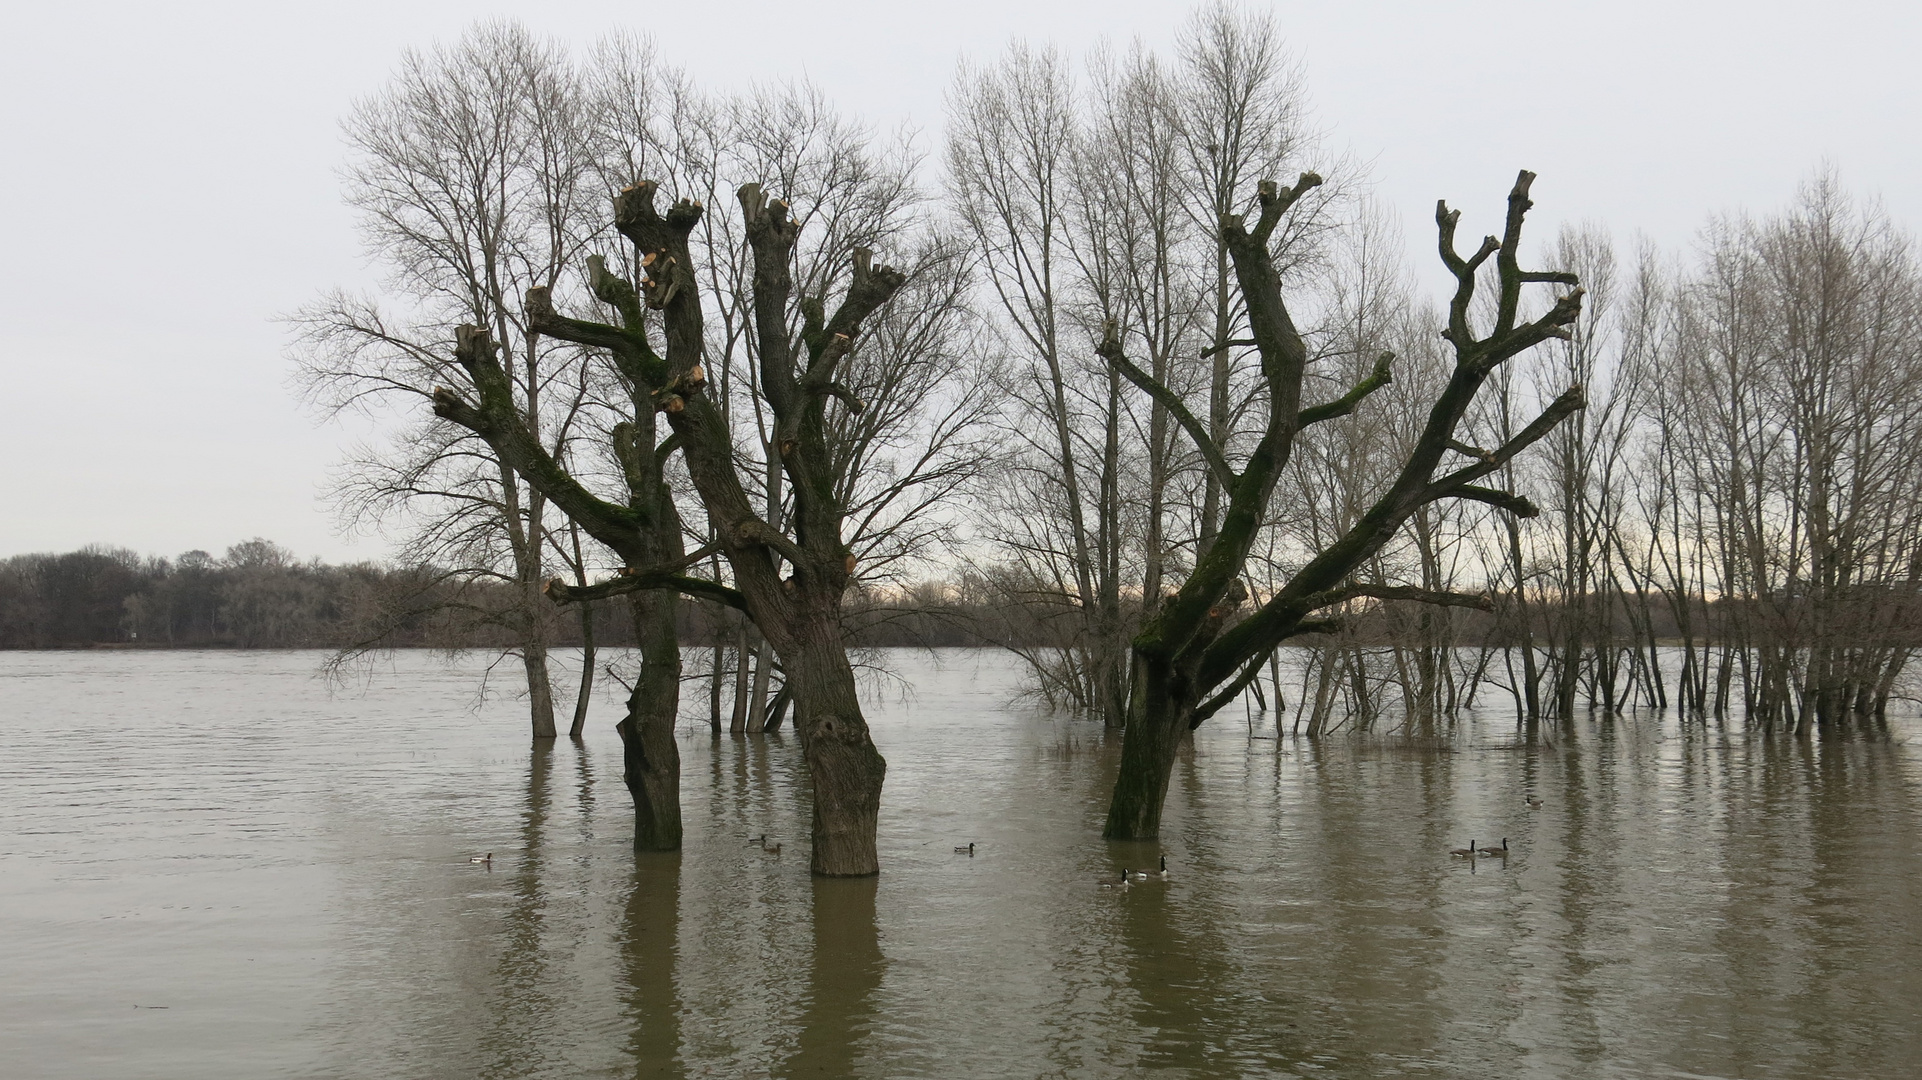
(798, 611)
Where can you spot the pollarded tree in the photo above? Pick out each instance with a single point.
(1192, 657)
(790, 577)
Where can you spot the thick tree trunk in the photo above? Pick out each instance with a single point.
(846, 768)
(1148, 753)
(649, 754)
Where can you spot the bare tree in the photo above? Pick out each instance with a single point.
(1192, 659)
(1806, 396)
(472, 170)
(862, 447)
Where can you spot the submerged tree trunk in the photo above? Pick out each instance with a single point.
(649, 754)
(846, 769)
(1148, 753)
(540, 690)
(586, 695)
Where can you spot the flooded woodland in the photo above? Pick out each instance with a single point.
(217, 864)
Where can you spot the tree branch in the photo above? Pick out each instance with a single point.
(1109, 349)
(1231, 343)
(1442, 598)
(1345, 404)
(1249, 673)
(756, 531)
(630, 349)
(497, 420)
(1275, 202)
(644, 581)
(1515, 504)
(1571, 400)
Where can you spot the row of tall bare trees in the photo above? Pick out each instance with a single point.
(1195, 413)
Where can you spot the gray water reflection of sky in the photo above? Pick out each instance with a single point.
(170, 180)
(211, 868)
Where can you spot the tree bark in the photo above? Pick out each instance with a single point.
(843, 763)
(649, 754)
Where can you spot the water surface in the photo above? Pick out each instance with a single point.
(213, 866)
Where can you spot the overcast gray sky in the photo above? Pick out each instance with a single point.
(169, 181)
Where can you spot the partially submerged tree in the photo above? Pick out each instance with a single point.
(473, 172)
(1192, 657)
(789, 577)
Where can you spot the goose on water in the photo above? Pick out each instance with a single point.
(1122, 884)
(1464, 852)
(1153, 875)
(488, 859)
(1496, 852)
(1533, 802)
(969, 850)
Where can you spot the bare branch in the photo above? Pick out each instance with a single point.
(1442, 598)
(1342, 406)
(1275, 202)
(1571, 400)
(1109, 349)
(1502, 500)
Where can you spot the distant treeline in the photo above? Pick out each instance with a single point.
(260, 596)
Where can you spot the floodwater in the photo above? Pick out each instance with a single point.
(213, 867)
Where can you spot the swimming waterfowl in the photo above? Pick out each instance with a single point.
(1122, 884)
(1497, 852)
(1464, 852)
(761, 839)
(772, 849)
(1533, 802)
(969, 850)
(487, 858)
(1152, 875)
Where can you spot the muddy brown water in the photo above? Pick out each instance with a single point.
(213, 866)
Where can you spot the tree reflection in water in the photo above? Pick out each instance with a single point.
(844, 979)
